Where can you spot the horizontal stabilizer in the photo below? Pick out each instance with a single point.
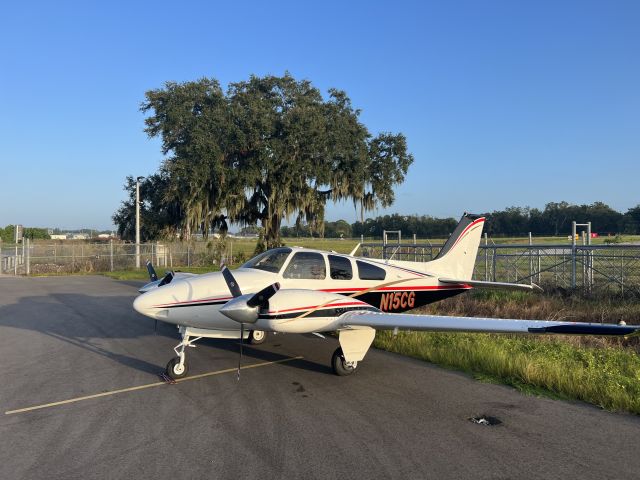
(483, 284)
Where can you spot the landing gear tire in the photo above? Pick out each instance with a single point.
(256, 337)
(175, 370)
(341, 367)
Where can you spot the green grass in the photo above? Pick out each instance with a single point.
(142, 274)
(606, 376)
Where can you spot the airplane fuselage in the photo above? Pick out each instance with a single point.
(348, 283)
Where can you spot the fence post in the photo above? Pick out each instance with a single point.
(573, 255)
(15, 262)
(111, 254)
(28, 267)
(188, 256)
(530, 259)
(486, 258)
(590, 258)
(494, 263)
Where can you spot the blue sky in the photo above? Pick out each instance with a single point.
(503, 103)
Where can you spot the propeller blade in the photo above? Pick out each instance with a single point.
(241, 341)
(167, 279)
(231, 282)
(152, 272)
(262, 297)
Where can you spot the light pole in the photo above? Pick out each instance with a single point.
(138, 221)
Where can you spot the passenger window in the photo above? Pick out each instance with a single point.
(366, 271)
(306, 265)
(340, 268)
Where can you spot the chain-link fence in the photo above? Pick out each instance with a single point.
(589, 268)
(31, 258)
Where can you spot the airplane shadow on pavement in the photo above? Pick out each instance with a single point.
(103, 325)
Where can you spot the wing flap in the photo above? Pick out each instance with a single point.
(441, 323)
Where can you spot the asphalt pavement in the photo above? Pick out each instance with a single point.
(65, 338)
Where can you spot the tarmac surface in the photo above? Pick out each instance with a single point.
(67, 337)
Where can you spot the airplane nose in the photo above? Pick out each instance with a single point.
(141, 304)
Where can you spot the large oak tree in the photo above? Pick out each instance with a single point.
(267, 149)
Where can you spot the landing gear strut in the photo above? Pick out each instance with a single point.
(178, 367)
(340, 366)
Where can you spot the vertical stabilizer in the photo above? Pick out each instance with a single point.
(458, 256)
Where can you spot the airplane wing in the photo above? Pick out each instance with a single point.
(442, 323)
(483, 284)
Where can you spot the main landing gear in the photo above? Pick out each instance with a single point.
(179, 368)
(340, 366)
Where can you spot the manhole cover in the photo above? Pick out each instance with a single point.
(486, 420)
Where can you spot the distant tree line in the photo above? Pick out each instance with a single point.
(554, 220)
(8, 233)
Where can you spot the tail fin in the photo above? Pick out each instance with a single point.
(458, 255)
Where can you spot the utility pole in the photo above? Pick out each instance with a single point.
(138, 221)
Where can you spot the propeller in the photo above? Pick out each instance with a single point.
(152, 272)
(244, 308)
(166, 279)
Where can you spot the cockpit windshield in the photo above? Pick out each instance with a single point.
(269, 261)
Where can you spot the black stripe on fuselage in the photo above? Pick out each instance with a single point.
(199, 304)
(327, 312)
(386, 302)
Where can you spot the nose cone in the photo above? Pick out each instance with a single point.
(142, 304)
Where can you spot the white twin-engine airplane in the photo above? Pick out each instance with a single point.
(299, 290)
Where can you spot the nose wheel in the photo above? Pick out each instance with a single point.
(177, 369)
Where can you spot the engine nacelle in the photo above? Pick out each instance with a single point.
(305, 311)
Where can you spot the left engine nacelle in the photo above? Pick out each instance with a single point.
(304, 311)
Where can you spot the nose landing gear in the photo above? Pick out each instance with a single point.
(178, 367)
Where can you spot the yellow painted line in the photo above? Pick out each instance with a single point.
(149, 385)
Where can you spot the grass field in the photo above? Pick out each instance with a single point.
(607, 376)
(601, 371)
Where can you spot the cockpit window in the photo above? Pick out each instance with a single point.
(269, 261)
(306, 265)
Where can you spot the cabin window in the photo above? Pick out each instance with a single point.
(306, 265)
(366, 271)
(269, 261)
(340, 268)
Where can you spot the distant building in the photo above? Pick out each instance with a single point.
(79, 236)
(104, 235)
(59, 236)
